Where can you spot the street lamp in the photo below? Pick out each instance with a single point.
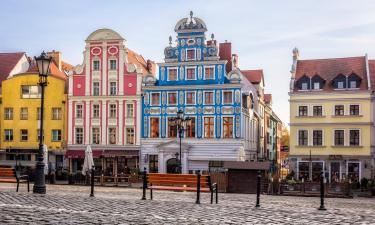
(43, 63)
(180, 121)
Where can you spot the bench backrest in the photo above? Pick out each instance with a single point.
(190, 180)
(7, 172)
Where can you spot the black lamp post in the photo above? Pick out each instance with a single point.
(43, 64)
(180, 122)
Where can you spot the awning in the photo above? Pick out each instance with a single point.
(119, 153)
(81, 153)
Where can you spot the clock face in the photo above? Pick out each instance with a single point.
(212, 51)
(169, 53)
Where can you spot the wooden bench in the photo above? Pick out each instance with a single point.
(9, 175)
(179, 182)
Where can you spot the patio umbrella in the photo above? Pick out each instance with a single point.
(45, 159)
(89, 161)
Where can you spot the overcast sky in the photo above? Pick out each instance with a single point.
(263, 33)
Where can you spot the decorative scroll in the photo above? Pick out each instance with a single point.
(199, 97)
(238, 128)
(200, 76)
(217, 97)
(219, 69)
(181, 73)
(218, 126)
(199, 126)
(238, 97)
(162, 71)
(181, 98)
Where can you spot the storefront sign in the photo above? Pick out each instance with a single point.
(335, 157)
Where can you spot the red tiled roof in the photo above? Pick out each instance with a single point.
(138, 60)
(66, 66)
(254, 76)
(328, 69)
(54, 70)
(7, 62)
(267, 98)
(372, 73)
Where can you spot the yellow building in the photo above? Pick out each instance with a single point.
(20, 109)
(330, 119)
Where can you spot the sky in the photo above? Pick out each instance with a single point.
(262, 33)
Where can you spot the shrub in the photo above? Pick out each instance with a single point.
(364, 182)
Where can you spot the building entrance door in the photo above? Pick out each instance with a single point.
(335, 172)
(172, 165)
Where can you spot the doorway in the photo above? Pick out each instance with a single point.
(172, 165)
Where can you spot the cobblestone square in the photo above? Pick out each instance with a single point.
(65, 204)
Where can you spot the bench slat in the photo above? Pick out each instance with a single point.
(170, 188)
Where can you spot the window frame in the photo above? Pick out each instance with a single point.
(176, 97)
(22, 135)
(318, 141)
(186, 54)
(209, 124)
(321, 110)
(356, 139)
(57, 116)
(213, 72)
(128, 109)
(223, 97)
(300, 107)
(336, 110)
(110, 64)
(355, 111)
(112, 112)
(110, 135)
(335, 139)
(24, 115)
(151, 100)
(304, 138)
(94, 134)
(8, 114)
(58, 135)
(152, 126)
(226, 125)
(80, 137)
(194, 98)
(191, 68)
(132, 136)
(95, 89)
(95, 111)
(77, 115)
(10, 135)
(93, 64)
(204, 97)
(172, 68)
(112, 88)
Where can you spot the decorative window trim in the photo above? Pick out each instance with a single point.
(312, 137)
(109, 63)
(177, 75)
(155, 92)
(172, 92)
(150, 127)
(308, 110)
(195, 72)
(204, 73)
(360, 137)
(96, 58)
(222, 127)
(186, 55)
(195, 97)
(308, 137)
(195, 128)
(333, 137)
(203, 127)
(213, 97)
(222, 97)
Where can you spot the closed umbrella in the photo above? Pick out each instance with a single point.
(89, 161)
(45, 159)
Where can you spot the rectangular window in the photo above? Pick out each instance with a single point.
(154, 127)
(190, 54)
(79, 136)
(316, 86)
(24, 113)
(130, 136)
(190, 98)
(56, 135)
(56, 113)
(303, 137)
(153, 163)
(172, 98)
(354, 110)
(190, 128)
(96, 65)
(113, 64)
(8, 113)
(112, 135)
(96, 111)
(304, 170)
(112, 88)
(302, 111)
(317, 110)
(304, 86)
(354, 137)
(317, 138)
(24, 135)
(79, 111)
(172, 74)
(112, 110)
(209, 127)
(209, 73)
(228, 98)
(31, 91)
(190, 74)
(209, 97)
(353, 84)
(8, 135)
(38, 135)
(172, 128)
(340, 85)
(339, 110)
(339, 137)
(227, 127)
(95, 135)
(95, 88)
(129, 110)
(155, 98)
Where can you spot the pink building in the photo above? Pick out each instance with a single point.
(104, 102)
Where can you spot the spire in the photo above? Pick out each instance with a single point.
(170, 40)
(191, 15)
(212, 36)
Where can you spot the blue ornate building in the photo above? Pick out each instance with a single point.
(194, 78)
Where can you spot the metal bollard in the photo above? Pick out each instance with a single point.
(322, 192)
(198, 201)
(144, 183)
(258, 190)
(92, 182)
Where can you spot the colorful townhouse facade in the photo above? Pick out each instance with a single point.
(194, 78)
(20, 107)
(331, 118)
(104, 104)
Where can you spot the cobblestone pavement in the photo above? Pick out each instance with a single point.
(65, 204)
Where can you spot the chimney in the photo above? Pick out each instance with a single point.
(225, 53)
(56, 57)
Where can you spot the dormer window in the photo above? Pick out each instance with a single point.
(303, 83)
(316, 86)
(339, 82)
(317, 82)
(305, 86)
(340, 85)
(190, 54)
(354, 81)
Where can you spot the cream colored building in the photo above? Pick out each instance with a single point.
(331, 119)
